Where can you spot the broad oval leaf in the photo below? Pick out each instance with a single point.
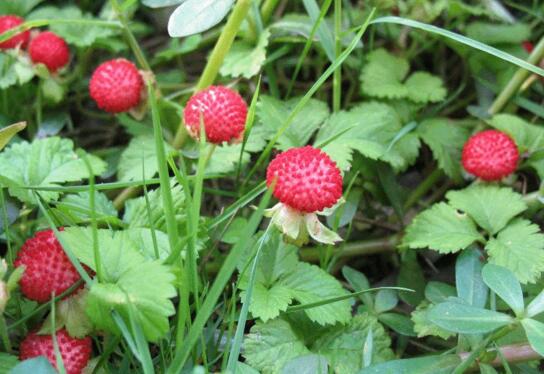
(424, 365)
(535, 334)
(504, 283)
(468, 278)
(161, 3)
(466, 319)
(195, 16)
(536, 306)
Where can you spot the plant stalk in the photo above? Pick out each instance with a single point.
(354, 249)
(337, 75)
(267, 9)
(512, 353)
(517, 80)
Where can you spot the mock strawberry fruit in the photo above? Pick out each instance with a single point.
(223, 112)
(528, 46)
(49, 49)
(47, 268)
(116, 86)
(490, 155)
(307, 182)
(9, 22)
(75, 353)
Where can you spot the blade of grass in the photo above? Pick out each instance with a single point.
(141, 343)
(302, 102)
(219, 284)
(324, 32)
(337, 76)
(58, 356)
(242, 319)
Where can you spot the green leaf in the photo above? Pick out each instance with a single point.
(444, 364)
(383, 74)
(528, 137)
(36, 365)
(492, 33)
(437, 292)
(225, 159)
(269, 346)
(244, 59)
(310, 284)
(267, 303)
(441, 228)
(398, 323)
(343, 345)
(492, 207)
(308, 364)
(423, 325)
(19, 7)
(501, 281)
(136, 212)
(411, 276)
(272, 114)
(385, 300)
(77, 34)
(535, 334)
(368, 128)
(44, 163)
(7, 362)
(466, 319)
(468, 278)
(446, 138)
(359, 282)
(75, 208)
(519, 248)
(139, 160)
(70, 314)
(129, 280)
(536, 306)
(425, 88)
(9, 132)
(161, 3)
(196, 16)
(8, 75)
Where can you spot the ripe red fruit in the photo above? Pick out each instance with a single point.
(307, 179)
(490, 155)
(47, 268)
(223, 111)
(528, 46)
(116, 86)
(49, 49)
(9, 22)
(75, 353)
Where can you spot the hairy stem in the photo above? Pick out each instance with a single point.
(512, 354)
(353, 249)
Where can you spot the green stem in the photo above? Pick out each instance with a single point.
(423, 187)
(337, 76)
(4, 333)
(267, 9)
(517, 80)
(133, 43)
(354, 249)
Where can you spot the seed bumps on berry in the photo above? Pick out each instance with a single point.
(47, 268)
(49, 49)
(75, 353)
(490, 155)
(9, 22)
(223, 112)
(116, 86)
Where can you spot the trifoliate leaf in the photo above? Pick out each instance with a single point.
(44, 163)
(425, 88)
(225, 159)
(446, 140)
(267, 303)
(137, 214)
(369, 129)
(528, 137)
(75, 208)
(519, 248)
(272, 114)
(441, 228)
(269, 346)
(492, 33)
(129, 280)
(139, 160)
(343, 345)
(423, 326)
(491, 207)
(244, 59)
(81, 35)
(383, 74)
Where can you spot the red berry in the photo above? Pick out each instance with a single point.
(307, 179)
(47, 268)
(9, 22)
(490, 155)
(49, 49)
(75, 353)
(116, 86)
(223, 111)
(528, 46)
